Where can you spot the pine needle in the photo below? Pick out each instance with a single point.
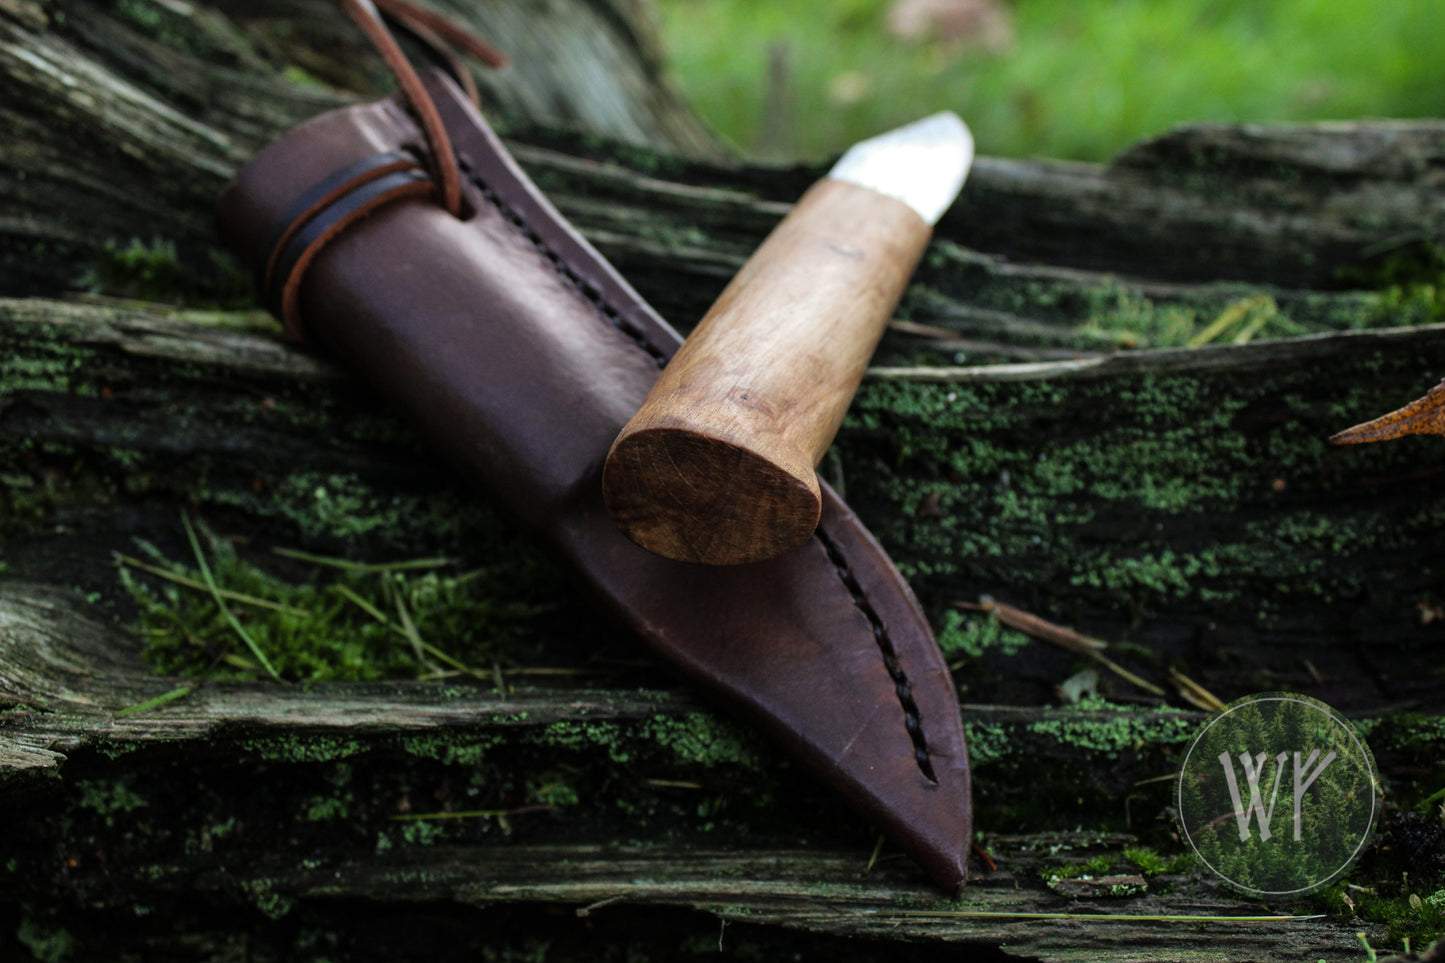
(454, 663)
(1267, 310)
(873, 860)
(1101, 917)
(1232, 315)
(210, 581)
(363, 568)
(1064, 638)
(408, 628)
(189, 583)
(470, 814)
(412, 636)
(159, 700)
(1194, 692)
(351, 596)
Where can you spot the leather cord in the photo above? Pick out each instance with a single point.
(437, 31)
(440, 35)
(324, 212)
(440, 31)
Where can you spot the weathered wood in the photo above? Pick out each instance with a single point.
(160, 410)
(68, 677)
(124, 120)
(1076, 488)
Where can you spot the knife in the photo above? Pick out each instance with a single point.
(519, 353)
(718, 466)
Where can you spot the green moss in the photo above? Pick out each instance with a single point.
(111, 798)
(47, 942)
(1415, 743)
(1408, 913)
(1115, 731)
(986, 742)
(51, 370)
(705, 740)
(1145, 862)
(1084, 315)
(453, 750)
(584, 735)
(1096, 866)
(348, 507)
(1150, 863)
(1191, 481)
(973, 634)
(352, 622)
(268, 901)
(323, 808)
(308, 749)
(423, 832)
(155, 271)
(1410, 279)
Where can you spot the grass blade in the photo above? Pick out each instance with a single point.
(159, 700)
(189, 583)
(363, 568)
(210, 581)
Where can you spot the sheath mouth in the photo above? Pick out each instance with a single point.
(692, 498)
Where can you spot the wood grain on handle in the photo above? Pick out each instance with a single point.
(718, 465)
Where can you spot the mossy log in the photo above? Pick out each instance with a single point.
(286, 804)
(1179, 502)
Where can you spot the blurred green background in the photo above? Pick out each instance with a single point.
(1060, 78)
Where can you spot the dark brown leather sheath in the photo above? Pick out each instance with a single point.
(519, 353)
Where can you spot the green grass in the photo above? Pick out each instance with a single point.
(1084, 79)
(349, 621)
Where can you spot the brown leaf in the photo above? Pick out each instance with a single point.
(1424, 416)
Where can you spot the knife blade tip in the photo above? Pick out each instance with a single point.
(922, 164)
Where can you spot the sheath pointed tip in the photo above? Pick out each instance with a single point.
(938, 833)
(948, 868)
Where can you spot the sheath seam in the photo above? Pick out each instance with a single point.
(565, 271)
(912, 718)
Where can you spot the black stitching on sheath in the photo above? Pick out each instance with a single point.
(912, 720)
(588, 291)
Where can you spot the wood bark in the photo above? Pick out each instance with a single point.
(1177, 502)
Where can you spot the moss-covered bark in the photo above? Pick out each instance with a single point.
(290, 805)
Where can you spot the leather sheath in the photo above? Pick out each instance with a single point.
(520, 353)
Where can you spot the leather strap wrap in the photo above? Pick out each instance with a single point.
(519, 353)
(306, 242)
(317, 199)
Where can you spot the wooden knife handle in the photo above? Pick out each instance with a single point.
(718, 466)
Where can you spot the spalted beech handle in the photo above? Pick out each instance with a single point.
(718, 466)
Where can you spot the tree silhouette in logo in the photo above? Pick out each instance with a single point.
(1278, 795)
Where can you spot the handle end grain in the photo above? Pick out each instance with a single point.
(692, 498)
